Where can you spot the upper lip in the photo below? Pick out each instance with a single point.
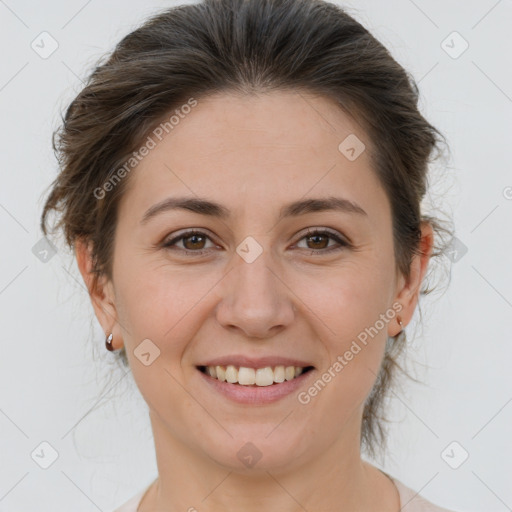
(255, 362)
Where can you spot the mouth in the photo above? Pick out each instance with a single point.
(254, 386)
(254, 377)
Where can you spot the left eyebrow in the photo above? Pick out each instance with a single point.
(204, 206)
(302, 207)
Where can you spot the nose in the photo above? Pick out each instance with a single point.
(256, 300)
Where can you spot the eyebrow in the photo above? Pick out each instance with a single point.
(204, 206)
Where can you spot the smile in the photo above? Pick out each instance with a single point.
(263, 391)
(244, 376)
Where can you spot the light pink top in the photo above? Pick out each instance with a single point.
(410, 501)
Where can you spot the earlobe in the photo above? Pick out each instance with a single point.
(408, 295)
(99, 287)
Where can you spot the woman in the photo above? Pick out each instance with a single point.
(241, 183)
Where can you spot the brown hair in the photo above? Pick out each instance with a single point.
(245, 47)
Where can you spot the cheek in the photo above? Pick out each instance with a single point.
(153, 298)
(167, 307)
(343, 385)
(155, 311)
(348, 301)
(355, 330)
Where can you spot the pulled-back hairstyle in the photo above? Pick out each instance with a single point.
(245, 47)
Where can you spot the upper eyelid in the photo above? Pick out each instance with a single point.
(189, 232)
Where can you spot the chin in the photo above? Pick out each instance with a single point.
(255, 449)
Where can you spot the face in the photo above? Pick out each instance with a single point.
(277, 285)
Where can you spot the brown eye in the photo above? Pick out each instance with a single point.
(193, 243)
(318, 241)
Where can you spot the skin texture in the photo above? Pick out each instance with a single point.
(253, 155)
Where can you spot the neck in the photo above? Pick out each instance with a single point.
(336, 479)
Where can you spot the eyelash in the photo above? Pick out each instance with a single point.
(342, 243)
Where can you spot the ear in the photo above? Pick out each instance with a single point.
(101, 293)
(409, 289)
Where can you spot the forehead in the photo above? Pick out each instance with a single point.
(290, 120)
(274, 147)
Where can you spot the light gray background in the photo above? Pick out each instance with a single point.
(52, 375)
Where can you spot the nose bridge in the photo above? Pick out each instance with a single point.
(255, 299)
(254, 278)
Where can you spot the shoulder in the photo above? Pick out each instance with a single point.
(411, 501)
(132, 504)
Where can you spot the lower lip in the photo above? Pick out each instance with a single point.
(255, 395)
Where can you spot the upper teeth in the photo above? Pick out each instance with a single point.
(249, 376)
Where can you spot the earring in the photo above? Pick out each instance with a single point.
(399, 320)
(108, 342)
